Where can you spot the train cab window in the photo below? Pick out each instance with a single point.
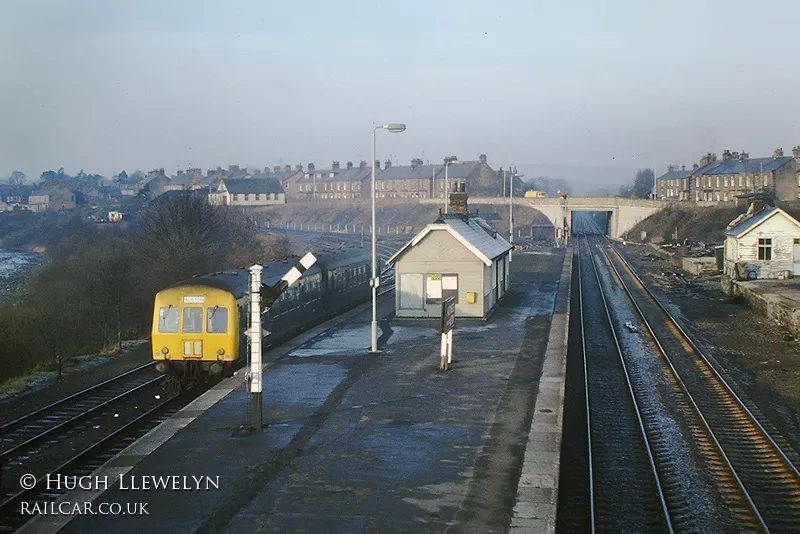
(168, 320)
(192, 320)
(217, 322)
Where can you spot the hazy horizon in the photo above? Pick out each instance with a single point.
(106, 86)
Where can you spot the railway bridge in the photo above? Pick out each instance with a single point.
(623, 213)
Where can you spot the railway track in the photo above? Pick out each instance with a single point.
(617, 445)
(761, 481)
(45, 441)
(717, 464)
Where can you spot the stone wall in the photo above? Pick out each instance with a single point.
(780, 309)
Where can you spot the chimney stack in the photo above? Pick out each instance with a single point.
(482, 158)
(744, 156)
(683, 167)
(726, 155)
(311, 167)
(777, 153)
(335, 166)
(276, 168)
(349, 165)
(298, 168)
(377, 165)
(362, 165)
(287, 168)
(388, 164)
(695, 166)
(416, 162)
(670, 168)
(458, 200)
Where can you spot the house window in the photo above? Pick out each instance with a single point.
(258, 196)
(764, 248)
(726, 181)
(766, 181)
(717, 181)
(236, 198)
(246, 197)
(748, 181)
(740, 180)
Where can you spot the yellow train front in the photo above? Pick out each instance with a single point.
(199, 324)
(196, 331)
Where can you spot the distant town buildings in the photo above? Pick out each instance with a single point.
(735, 177)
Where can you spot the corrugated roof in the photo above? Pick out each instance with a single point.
(753, 221)
(474, 233)
(252, 185)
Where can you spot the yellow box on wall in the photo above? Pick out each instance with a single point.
(472, 297)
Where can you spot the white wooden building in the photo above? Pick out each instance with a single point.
(457, 256)
(764, 245)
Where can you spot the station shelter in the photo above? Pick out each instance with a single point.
(458, 256)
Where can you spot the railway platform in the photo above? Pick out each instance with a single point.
(359, 442)
(778, 300)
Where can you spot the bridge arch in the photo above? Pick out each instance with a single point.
(625, 212)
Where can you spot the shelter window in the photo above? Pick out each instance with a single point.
(765, 248)
(236, 198)
(192, 320)
(217, 322)
(258, 196)
(168, 320)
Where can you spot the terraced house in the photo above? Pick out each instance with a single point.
(735, 176)
(337, 184)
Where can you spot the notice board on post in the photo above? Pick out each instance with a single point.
(448, 314)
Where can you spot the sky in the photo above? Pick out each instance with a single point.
(596, 88)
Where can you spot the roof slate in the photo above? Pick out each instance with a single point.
(252, 185)
(672, 175)
(356, 174)
(751, 222)
(482, 240)
(735, 166)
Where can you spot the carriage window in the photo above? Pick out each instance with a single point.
(217, 322)
(168, 320)
(192, 320)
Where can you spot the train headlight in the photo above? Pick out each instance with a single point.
(220, 351)
(164, 350)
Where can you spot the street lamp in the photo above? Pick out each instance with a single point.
(447, 162)
(393, 128)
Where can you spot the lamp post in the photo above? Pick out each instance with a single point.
(393, 128)
(447, 162)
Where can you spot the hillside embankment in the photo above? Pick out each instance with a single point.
(408, 218)
(696, 224)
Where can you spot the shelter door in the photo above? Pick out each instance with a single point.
(796, 257)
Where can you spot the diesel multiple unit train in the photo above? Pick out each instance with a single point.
(199, 324)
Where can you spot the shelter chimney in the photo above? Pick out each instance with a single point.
(362, 164)
(311, 167)
(482, 158)
(796, 152)
(777, 153)
(335, 165)
(458, 200)
(349, 165)
(387, 164)
(744, 156)
(726, 155)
